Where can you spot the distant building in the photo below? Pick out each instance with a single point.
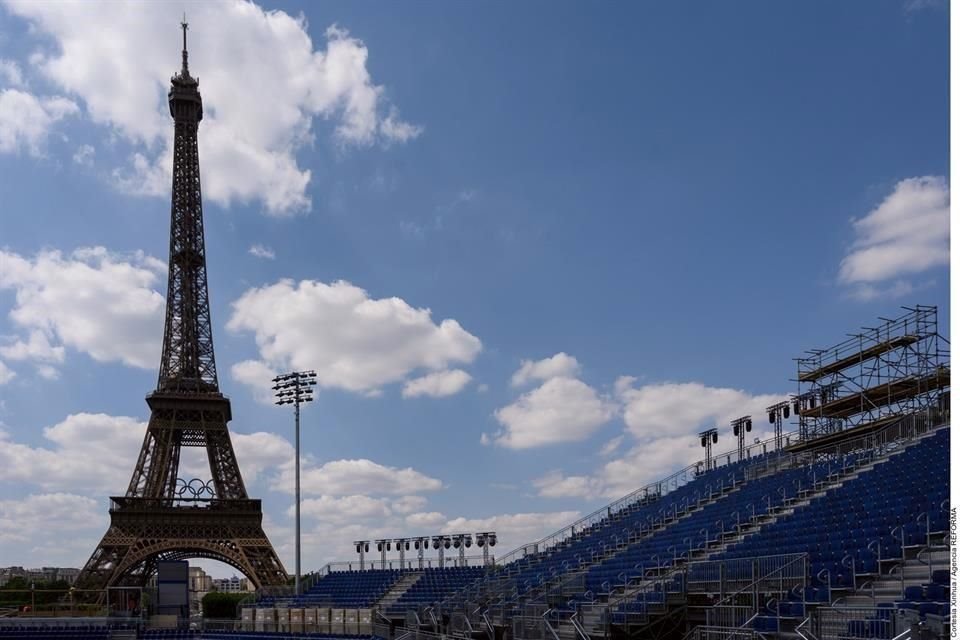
(200, 584)
(231, 585)
(200, 581)
(45, 574)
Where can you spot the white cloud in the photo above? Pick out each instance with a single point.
(896, 289)
(47, 372)
(10, 73)
(560, 410)
(84, 155)
(425, 522)
(37, 347)
(356, 477)
(102, 304)
(437, 384)
(35, 526)
(248, 145)
(555, 485)
(611, 446)
(906, 234)
(408, 504)
(259, 452)
(395, 130)
(514, 529)
(664, 409)
(256, 375)
(26, 120)
(558, 365)
(6, 374)
(351, 340)
(112, 441)
(357, 508)
(348, 509)
(663, 420)
(260, 251)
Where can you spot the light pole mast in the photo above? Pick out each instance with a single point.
(293, 388)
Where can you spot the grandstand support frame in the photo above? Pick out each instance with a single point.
(707, 439)
(778, 413)
(741, 426)
(899, 367)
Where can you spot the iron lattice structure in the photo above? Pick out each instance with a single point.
(900, 367)
(163, 517)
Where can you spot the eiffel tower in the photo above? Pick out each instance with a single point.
(163, 517)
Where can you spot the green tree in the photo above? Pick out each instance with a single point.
(221, 605)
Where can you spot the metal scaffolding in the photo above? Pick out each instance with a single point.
(873, 377)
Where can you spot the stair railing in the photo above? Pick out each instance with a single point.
(795, 566)
(578, 627)
(546, 623)
(491, 633)
(803, 630)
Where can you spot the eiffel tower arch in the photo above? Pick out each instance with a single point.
(163, 516)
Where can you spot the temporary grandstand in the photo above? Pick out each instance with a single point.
(835, 530)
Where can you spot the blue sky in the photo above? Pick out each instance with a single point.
(656, 206)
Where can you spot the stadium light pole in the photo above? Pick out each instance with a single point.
(294, 388)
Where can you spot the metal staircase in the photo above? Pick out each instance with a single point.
(396, 591)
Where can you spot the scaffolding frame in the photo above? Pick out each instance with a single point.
(899, 367)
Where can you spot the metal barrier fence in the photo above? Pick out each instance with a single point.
(71, 603)
(733, 615)
(705, 632)
(769, 573)
(854, 622)
(64, 623)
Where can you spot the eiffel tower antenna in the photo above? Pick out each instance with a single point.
(162, 516)
(184, 25)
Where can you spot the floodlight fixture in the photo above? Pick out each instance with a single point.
(708, 438)
(295, 388)
(778, 413)
(741, 426)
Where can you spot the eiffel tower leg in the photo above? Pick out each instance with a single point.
(223, 465)
(100, 571)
